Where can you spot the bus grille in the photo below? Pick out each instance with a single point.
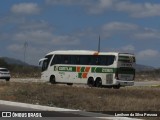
(109, 78)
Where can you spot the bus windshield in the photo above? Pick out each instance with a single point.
(46, 62)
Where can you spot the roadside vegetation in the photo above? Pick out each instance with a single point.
(152, 75)
(28, 71)
(21, 71)
(88, 99)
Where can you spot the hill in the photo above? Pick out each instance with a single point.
(144, 68)
(20, 69)
(13, 61)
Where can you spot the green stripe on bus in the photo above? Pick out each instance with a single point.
(95, 70)
(79, 75)
(82, 69)
(102, 70)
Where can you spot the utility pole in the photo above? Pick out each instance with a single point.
(25, 49)
(99, 44)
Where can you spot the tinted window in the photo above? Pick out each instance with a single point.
(56, 60)
(46, 62)
(65, 59)
(102, 60)
(110, 59)
(74, 59)
(83, 59)
(94, 60)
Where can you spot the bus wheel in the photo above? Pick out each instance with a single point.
(116, 87)
(70, 84)
(52, 79)
(7, 79)
(98, 82)
(90, 82)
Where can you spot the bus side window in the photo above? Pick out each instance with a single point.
(110, 59)
(94, 60)
(65, 59)
(56, 60)
(97, 60)
(73, 59)
(102, 60)
(83, 60)
(77, 60)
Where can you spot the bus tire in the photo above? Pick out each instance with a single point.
(98, 82)
(90, 82)
(116, 86)
(70, 84)
(108, 87)
(52, 79)
(7, 79)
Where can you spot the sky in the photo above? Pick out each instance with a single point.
(46, 25)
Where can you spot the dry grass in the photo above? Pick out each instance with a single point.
(153, 75)
(89, 99)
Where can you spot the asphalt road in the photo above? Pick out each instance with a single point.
(147, 83)
(57, 115)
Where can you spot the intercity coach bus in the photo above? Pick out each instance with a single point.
(110, 69)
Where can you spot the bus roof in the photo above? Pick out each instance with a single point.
(85, 52)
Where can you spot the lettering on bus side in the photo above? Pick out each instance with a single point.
(105, 70)
(102, 70)
(65, 68)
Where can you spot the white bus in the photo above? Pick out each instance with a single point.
(110, 69)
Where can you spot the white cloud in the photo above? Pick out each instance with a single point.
(41, 37)
(65, 40)
(25, 8)
(15, 47)
(101, 6)
(69, 2)
(119, 26)
(35, 25)
(139, 9)
(93, 7)
(147, 35)
(37, 36)
(128, 48)
(148, 54)
(55, 2)
(129, 30)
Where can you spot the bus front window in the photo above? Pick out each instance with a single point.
(46, 62)
(44, 65)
